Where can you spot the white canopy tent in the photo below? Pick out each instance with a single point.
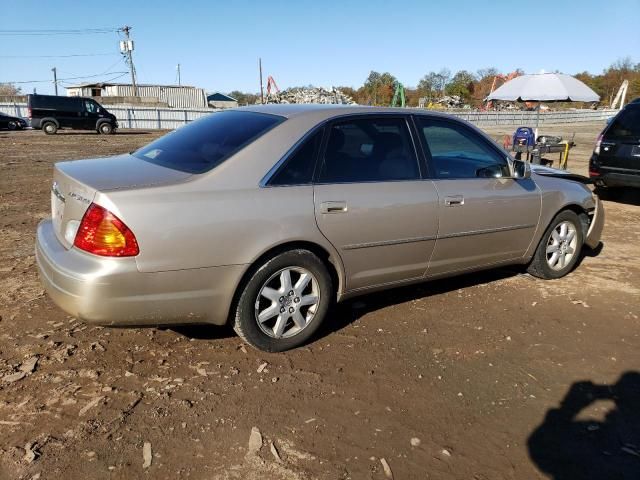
(544, 87)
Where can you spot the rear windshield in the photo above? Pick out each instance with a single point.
(626, 124)
(206, 143)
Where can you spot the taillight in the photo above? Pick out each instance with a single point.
(29, 114)
(596, 149)
(102, 233)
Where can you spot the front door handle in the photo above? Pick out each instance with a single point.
(333, 207)
(454, 200)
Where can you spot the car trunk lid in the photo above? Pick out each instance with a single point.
(76, 183)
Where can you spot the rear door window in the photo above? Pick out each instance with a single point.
(298, 168)
(458, 152)
(207, 142)
(626, 124)
(369, 150)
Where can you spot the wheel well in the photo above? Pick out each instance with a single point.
(583, 215)
(314, 248)
(52, 120)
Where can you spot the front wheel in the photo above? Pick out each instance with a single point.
(284, 301)
(559, 248)
(105, 128)
(49, 128)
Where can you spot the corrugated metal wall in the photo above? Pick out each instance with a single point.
(165, 118)
(175, 97)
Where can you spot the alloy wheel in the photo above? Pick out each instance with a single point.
(287, 302)
(562, 245)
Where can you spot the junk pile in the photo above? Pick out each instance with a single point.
(450, 101)
(310, 95)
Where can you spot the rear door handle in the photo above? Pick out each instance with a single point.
(333, 207)
(454, 200)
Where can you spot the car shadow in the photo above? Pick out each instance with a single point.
(349, 311)
(203, 331)
(626, 195)
(568, 445)
(93, 132)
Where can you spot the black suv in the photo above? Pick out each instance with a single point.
(616, 158)
(51, 112)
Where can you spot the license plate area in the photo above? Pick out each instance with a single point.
(635, 151)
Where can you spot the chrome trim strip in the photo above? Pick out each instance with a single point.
(487, 230)
(385, 243)
(56, 191)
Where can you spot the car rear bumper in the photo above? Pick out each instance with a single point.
(594, 234)
(618, 180)
(112, 291)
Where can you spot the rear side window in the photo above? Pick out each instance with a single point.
(626, 124)
(458, 152)
(298, 168)
(206, 143)
(49, 102)
(369, 150)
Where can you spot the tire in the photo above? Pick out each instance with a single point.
(564, 248)
(269, 295)
(49, 128)
(12, 125)
(105, 128)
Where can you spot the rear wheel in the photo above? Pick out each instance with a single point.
(12, 125)
(559, 248)
(105, 128)
(284, 301)
(49, 128)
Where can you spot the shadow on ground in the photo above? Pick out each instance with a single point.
(570, 446)
(627, 195)
(351, 310)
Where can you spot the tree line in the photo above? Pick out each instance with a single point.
(472, 87)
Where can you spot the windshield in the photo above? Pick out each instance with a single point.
(207, 142)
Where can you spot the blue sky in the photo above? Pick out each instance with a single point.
(322, 43)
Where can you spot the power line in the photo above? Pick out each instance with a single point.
(84, 31)
(60, 56)
(68, 78)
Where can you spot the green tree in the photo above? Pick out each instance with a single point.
(428, 85)
(462, 84)
(244, 98)
(379, 87)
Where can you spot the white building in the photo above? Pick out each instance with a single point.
(173, 95)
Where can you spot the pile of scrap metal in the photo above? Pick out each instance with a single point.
(310, 95)
(448, 101)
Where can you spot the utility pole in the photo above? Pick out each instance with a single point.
(261, 88)
(178, 67)
(127, 47)
(55, 79)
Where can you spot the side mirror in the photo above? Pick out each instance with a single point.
(521, 170)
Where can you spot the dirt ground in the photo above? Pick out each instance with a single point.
(487, 376)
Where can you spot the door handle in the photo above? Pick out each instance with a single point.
(454, 200)
(333, 207)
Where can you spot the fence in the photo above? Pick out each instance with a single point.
(170, 118)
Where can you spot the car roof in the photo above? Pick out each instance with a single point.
(324, 112)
